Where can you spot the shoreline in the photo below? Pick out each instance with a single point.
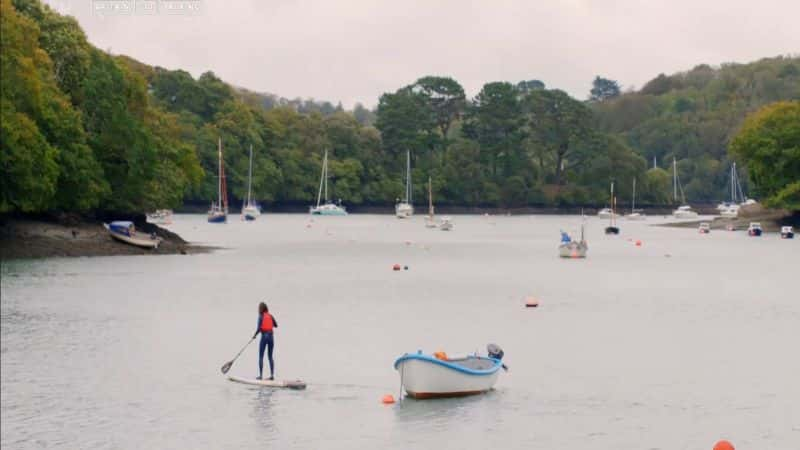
(71, 236)
(771, 220)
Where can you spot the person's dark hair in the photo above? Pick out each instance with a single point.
(262, 308)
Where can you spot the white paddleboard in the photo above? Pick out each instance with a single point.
(289, 384)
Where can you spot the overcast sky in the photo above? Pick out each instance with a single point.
(353, 51)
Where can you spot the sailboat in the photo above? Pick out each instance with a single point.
(684, 211)
(219, 210)
(430, 219)
(328, 208)
(570, 248)
(738, 199)
(612, 227)
(635, 215)
(250, 210)
(405, 209)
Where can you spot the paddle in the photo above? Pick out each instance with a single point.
(227, 366)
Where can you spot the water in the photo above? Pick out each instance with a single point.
(630, 349)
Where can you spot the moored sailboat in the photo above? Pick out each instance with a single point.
(635, 215)
(405, 209)
(683, 211)
(430, 219)
(219, 210)
(328, 208)
(612, 227)
(251, 210)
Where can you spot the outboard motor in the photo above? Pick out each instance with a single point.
(495, 351)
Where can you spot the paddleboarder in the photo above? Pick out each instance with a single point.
(266, 325)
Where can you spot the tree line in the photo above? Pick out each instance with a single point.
(86, 130)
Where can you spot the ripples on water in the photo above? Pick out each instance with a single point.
(672, 345)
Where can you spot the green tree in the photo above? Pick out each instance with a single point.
(603, 89)
(769, 144)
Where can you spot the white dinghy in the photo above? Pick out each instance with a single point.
(426, 376)
(125, 231)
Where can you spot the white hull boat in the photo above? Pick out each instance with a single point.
(605, 213)
(160, 217)
(446, 225)
(328, 208)
(403, 210)
(684, 212)
(126, 232)
(426, 376)
(250, 211)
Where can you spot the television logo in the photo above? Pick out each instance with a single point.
(146, 7)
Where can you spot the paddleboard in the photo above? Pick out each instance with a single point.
(288, 384)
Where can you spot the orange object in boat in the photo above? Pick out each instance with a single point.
(440, 355)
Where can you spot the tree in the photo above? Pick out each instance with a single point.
(446, 99)
(525, 87)
(406, 123)
(559, 124)
(769, 145)
(603, 89)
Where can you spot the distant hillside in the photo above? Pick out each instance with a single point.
(693, 115)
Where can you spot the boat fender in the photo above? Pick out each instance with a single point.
(440, 355)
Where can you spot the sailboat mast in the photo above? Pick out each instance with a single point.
(321, 178)
(613, 206)
(250, 176)
(325, 169)
(674, 180)
(633, 201)
(219, 172)
(430, 198)
(408, 176)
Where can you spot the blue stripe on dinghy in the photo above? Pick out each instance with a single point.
(428, 358)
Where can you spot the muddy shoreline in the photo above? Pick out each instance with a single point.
(771, 220)
(71, 236)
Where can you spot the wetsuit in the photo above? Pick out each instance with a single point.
(268, 342)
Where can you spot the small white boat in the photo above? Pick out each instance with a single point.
(435, 376)
(160, 217)
(251, 210)
(572, 249)
(328, 208)
(404, 209)
(684, 212)
(604, 213)
(704, 228)
(729, 211)
(754, 229)
(125, 231)
(635, 214)
(289, 384)
(446, 224)
(787, 232)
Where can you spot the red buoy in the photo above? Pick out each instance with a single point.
(723, 445)
(531, 302)
(396, 267)
(387, 399)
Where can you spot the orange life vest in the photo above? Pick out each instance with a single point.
(267, 323)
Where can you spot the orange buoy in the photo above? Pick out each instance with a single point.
(723, 445)
(396, 267)
(531, 302)
(638, 243)
(387, 399)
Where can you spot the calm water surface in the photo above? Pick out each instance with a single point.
(672, 345)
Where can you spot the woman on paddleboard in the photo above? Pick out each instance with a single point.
(266, 323)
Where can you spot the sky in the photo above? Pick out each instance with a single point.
(355, 50)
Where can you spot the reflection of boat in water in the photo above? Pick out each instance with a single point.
(435, 376)
(405, 209)
(160, 217)
(704, 228)
(446, 225)
(787, 232)
(328, 208)
(125, 231)
(572, 249)
(754, 229)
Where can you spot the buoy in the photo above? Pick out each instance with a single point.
(531, 302)
(387, 399)
(723, 445)
(405, 267)
(638, 243)
(396, 267)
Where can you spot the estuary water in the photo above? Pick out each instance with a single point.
(674, 344)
